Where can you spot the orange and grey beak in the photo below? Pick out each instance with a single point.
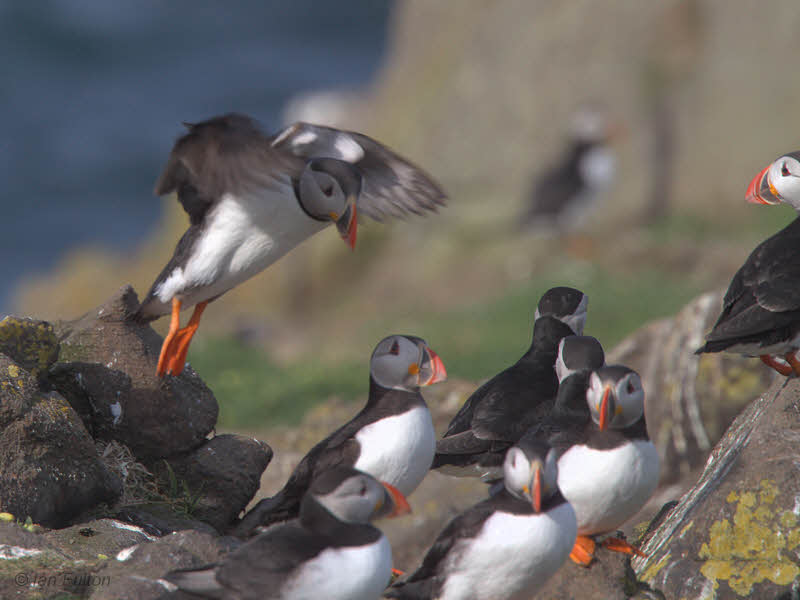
(399, 502)
(536, 491)
(760, 191)
(347, 223)
(432, 368)
(606, 407)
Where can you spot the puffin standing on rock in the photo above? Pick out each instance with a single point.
(607, 467)
(499, 412)
(251, 198)
(761, 309)
(505, 546)
(330, 552)
(392, 438)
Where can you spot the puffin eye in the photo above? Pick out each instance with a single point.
(328, 191)
(363, 490)
(395, 349)
(631, 387)
(784, 169)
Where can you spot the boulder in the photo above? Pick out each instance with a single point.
(690, 400)
(736, 533)
(49, 469)
(219, 478)
(107, 370)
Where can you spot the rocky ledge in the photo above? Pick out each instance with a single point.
(110, 477)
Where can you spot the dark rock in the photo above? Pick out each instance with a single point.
(30, 344)
(135, 572)
(49, 469)
(690, 399)
(107, 370)
(736, 533)
(160, 520)
(101, 537)
(220, 477)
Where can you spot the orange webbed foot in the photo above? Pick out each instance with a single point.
(619, 545)
(583, 551)
(176, 345)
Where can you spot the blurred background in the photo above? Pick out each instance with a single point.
(693, 98)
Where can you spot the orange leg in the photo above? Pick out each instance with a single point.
(618, 545)
(791, 358)
(397, 572)
(174, 324)
(182, 339)
(583, 550)
(781, 368)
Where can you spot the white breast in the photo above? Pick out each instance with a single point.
(511, 557)
(241, 236)
(607, 487)
(360, 573)
(398, 450)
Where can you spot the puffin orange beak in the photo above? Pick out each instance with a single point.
(604, 409)
(347, 223)
(760, 191)
(438, 372)
(536, 492)
(401, 506)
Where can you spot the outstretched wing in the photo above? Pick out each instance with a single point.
(391, 185)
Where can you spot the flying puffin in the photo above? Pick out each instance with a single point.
(496, 415)
(392, 438)
(331, 551)
(505, 546)
(564, 194)
(761, 309)
(607, 465)
(251, 198)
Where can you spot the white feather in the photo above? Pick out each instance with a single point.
(607, 487)
(398, 450)
(349, 149)
(511, 556)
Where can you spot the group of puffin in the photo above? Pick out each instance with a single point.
(559, 437)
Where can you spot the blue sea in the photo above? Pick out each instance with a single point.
(94, 93)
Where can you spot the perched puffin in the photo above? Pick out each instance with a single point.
(392, 438)
(505, 546)
(251, 198)
(330, 552)
(607, 465)
(565, 194)
(761, 310)
(496, 415)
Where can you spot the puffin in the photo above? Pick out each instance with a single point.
(496, 415)
(392, 438)
(761, 309)
(564, 194)
(330, 551)
(607, 466)
(252, 197)
(506, 546)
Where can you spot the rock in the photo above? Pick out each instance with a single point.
(609, 577)
(29, 343)
(690, 400)
(107, 370)
(134, 573)
(49, 469)
(736, 533)
(219, 478)
(160, 520)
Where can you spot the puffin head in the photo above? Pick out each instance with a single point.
(327, 190)
(530, 471)
(405, 362)
(615, 397)
(777, 182)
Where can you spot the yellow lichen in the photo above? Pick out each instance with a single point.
(651, 571)
(753, 547)
(13, 370)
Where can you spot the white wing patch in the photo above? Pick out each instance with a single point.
(349, 149)
(303, 138)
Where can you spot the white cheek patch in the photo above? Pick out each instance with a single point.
(348, 148)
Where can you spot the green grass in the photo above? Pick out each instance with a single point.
(475, 342)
